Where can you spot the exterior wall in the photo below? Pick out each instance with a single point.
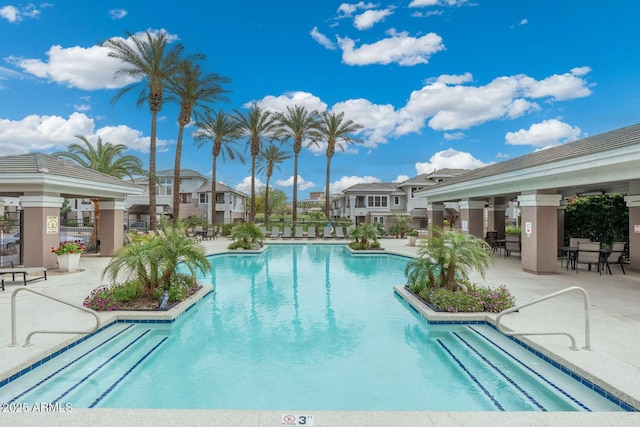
(37, 242)
(540, 247)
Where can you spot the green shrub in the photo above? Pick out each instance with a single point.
(240, 245)
(226, 229)
(511, 230)
(180, 287)
(128, 291)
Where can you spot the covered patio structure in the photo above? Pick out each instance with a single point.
(42, 183)
(540, 182)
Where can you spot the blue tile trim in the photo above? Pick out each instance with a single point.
(67, 365)
(473, 378)
(127, 373)
(505, 376)
(86, 377)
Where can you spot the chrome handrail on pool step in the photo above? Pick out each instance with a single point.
(27, 341)
(587, 332)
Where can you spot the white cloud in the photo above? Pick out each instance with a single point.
(401, 178)
(347, 9)
(245, 185)
(14, 14)
(116, 14)
(379, 121)
(546, 134)
(348, 181)
(398, 48)
(55, 133)
(81, 107)
(302, 184)
(457, 106)
(369, 18)
(289, 99)
(322, 39)
(79, 67)
(453, 79)
(453, 136)
(450, 158)
(425, 3)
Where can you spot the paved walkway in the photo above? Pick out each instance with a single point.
(614, 360)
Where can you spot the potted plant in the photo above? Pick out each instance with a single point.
(412, 236)
(68, 254)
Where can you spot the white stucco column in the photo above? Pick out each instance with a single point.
(539, 232)
(111, 226)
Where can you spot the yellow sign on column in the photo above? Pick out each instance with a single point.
(52, 225)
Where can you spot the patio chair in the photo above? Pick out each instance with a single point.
(275, 232)
(211, 233)
(311, 232)
(328, 233)
(264, 230)
(491, 238)
(298, 233)
(286, 233)
(615, 257)
(588, 253)
(339, 233)
(512, 244)
(571, 255)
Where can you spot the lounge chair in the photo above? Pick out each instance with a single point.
(311, 232)
(298, 232)
(339, 233)
(264, 231)
(328, 233)
(512, 244)
(275, 232)
(286, 233)
(25, 271)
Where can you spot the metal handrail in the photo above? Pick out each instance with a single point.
(27, 341)
(587, 332)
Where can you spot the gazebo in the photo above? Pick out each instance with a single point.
(42, 182)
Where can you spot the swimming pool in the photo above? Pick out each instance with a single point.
(303, 327)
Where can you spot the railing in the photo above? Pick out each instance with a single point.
(27, 341)
(587, 333)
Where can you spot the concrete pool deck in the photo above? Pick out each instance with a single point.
(614, 359)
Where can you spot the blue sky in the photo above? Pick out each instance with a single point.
(435, 83)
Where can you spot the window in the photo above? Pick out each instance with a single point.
(377, 201)
(378, 220)
(396, 200)
(219, 197)
(414, 190)
(204, 198)
(360, 202)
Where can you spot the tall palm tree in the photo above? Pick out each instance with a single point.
(297, 123)
(191, 89)
(222, 130)
(105, 158)
(268, 160)
(333, 128)
(150, 58)
(255, 124)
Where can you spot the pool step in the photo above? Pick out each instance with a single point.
(506, 381)
(89, 371)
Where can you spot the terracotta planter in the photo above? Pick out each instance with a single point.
(68, 262)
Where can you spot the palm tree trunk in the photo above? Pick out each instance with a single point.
(212, 202)
(152, 172)
(176, 177)
(295, 187)
(327, 202)
(252, 213)
(95, 232)
(266, 203)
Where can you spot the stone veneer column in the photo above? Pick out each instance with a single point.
(435, 214)
(111, 226)
(472, 211)
(540, 248)
(37, 240)
(633, 203)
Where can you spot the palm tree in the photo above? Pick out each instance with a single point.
(105, 158)
(333, 128)
(222, 130)
(256, 124)
(268, 160)
(191, 89)
(151, 59)
(298, 123)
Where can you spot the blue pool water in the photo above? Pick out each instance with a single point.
(303, 327)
